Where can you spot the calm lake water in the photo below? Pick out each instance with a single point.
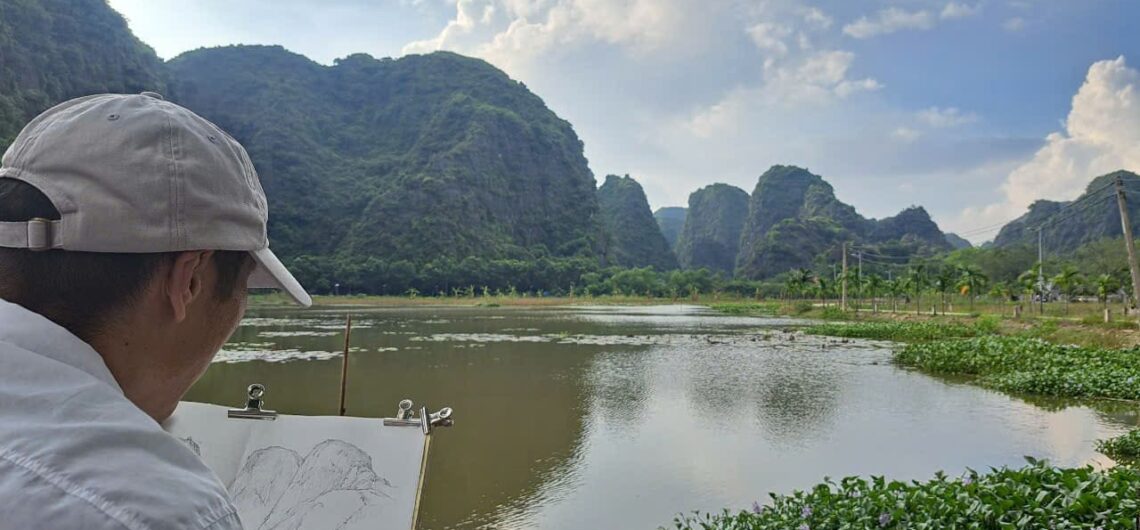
(619, 417)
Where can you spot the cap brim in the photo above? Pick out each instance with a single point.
(270, 273)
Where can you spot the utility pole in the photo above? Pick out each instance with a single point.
(1126, 224)
(859, 274)
(1040, 272)
(843, 302)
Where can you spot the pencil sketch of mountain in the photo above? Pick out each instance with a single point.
(333, 487)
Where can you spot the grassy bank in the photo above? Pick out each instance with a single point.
(1035, 496)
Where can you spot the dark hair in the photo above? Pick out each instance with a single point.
(82, 290)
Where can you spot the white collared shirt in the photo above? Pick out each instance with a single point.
(76, 454)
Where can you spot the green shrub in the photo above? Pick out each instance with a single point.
(988, 324)
(1124, 447)
(1035, 496)
(833, 313)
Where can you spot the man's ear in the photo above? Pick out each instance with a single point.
(185, 280)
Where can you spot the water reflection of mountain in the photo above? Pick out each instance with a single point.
(619, 388)
(791, 388)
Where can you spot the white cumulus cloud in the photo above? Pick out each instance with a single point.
(887, 21)
(512, 32)
(957, 10)
(814, 16)
(1101, 135)
(945, 117)
(1014, 24)
(769, 36)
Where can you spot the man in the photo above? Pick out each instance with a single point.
(130, 229)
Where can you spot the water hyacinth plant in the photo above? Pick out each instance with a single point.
(1035, 496)
(1032, 366)
(1124, 448)
(897, 331)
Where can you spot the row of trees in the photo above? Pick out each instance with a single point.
(964, 280)
(1005, 274)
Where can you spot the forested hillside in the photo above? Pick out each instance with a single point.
(631, 237)
(423, 161)
(54, 50)
(1092, 216)
(711, 236)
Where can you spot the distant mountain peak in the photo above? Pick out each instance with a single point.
(1096, 217)
(794, 218)
(631, 235)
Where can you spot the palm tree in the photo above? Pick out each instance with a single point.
(822, 289)
(1105, 284)
(943, 283)
(801, 278)
(853, 285)
(971, 280)
(895, 288)
(874, 284)
(917, 279)
(1069, 280)
(1028, 281)
(1002, 292)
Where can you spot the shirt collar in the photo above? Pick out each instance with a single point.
(35, 333)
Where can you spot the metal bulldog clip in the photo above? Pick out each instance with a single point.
(253, 410)
(405, 417)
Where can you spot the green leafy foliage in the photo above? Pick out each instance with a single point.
(631, 237)
(747, 308)
(1032, 366)
(895, 330)
(1034, 496)
(1125, 447)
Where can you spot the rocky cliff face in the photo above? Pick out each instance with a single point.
(632, 237)
(1068, 225)
(420, 158)
(671, 219)
(794, 219)
(711, 235)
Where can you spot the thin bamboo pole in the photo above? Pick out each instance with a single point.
(344, 364)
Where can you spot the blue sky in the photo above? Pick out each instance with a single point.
(970, 108)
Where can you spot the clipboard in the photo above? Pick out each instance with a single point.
(291, 471)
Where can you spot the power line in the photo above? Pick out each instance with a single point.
(984, 229)
(999, 226)
(884, 257)
(1071, 209)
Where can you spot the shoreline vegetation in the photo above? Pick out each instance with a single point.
(1068, 352)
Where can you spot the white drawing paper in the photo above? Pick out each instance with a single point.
(308, 472)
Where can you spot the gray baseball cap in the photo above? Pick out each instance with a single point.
(135, 174)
